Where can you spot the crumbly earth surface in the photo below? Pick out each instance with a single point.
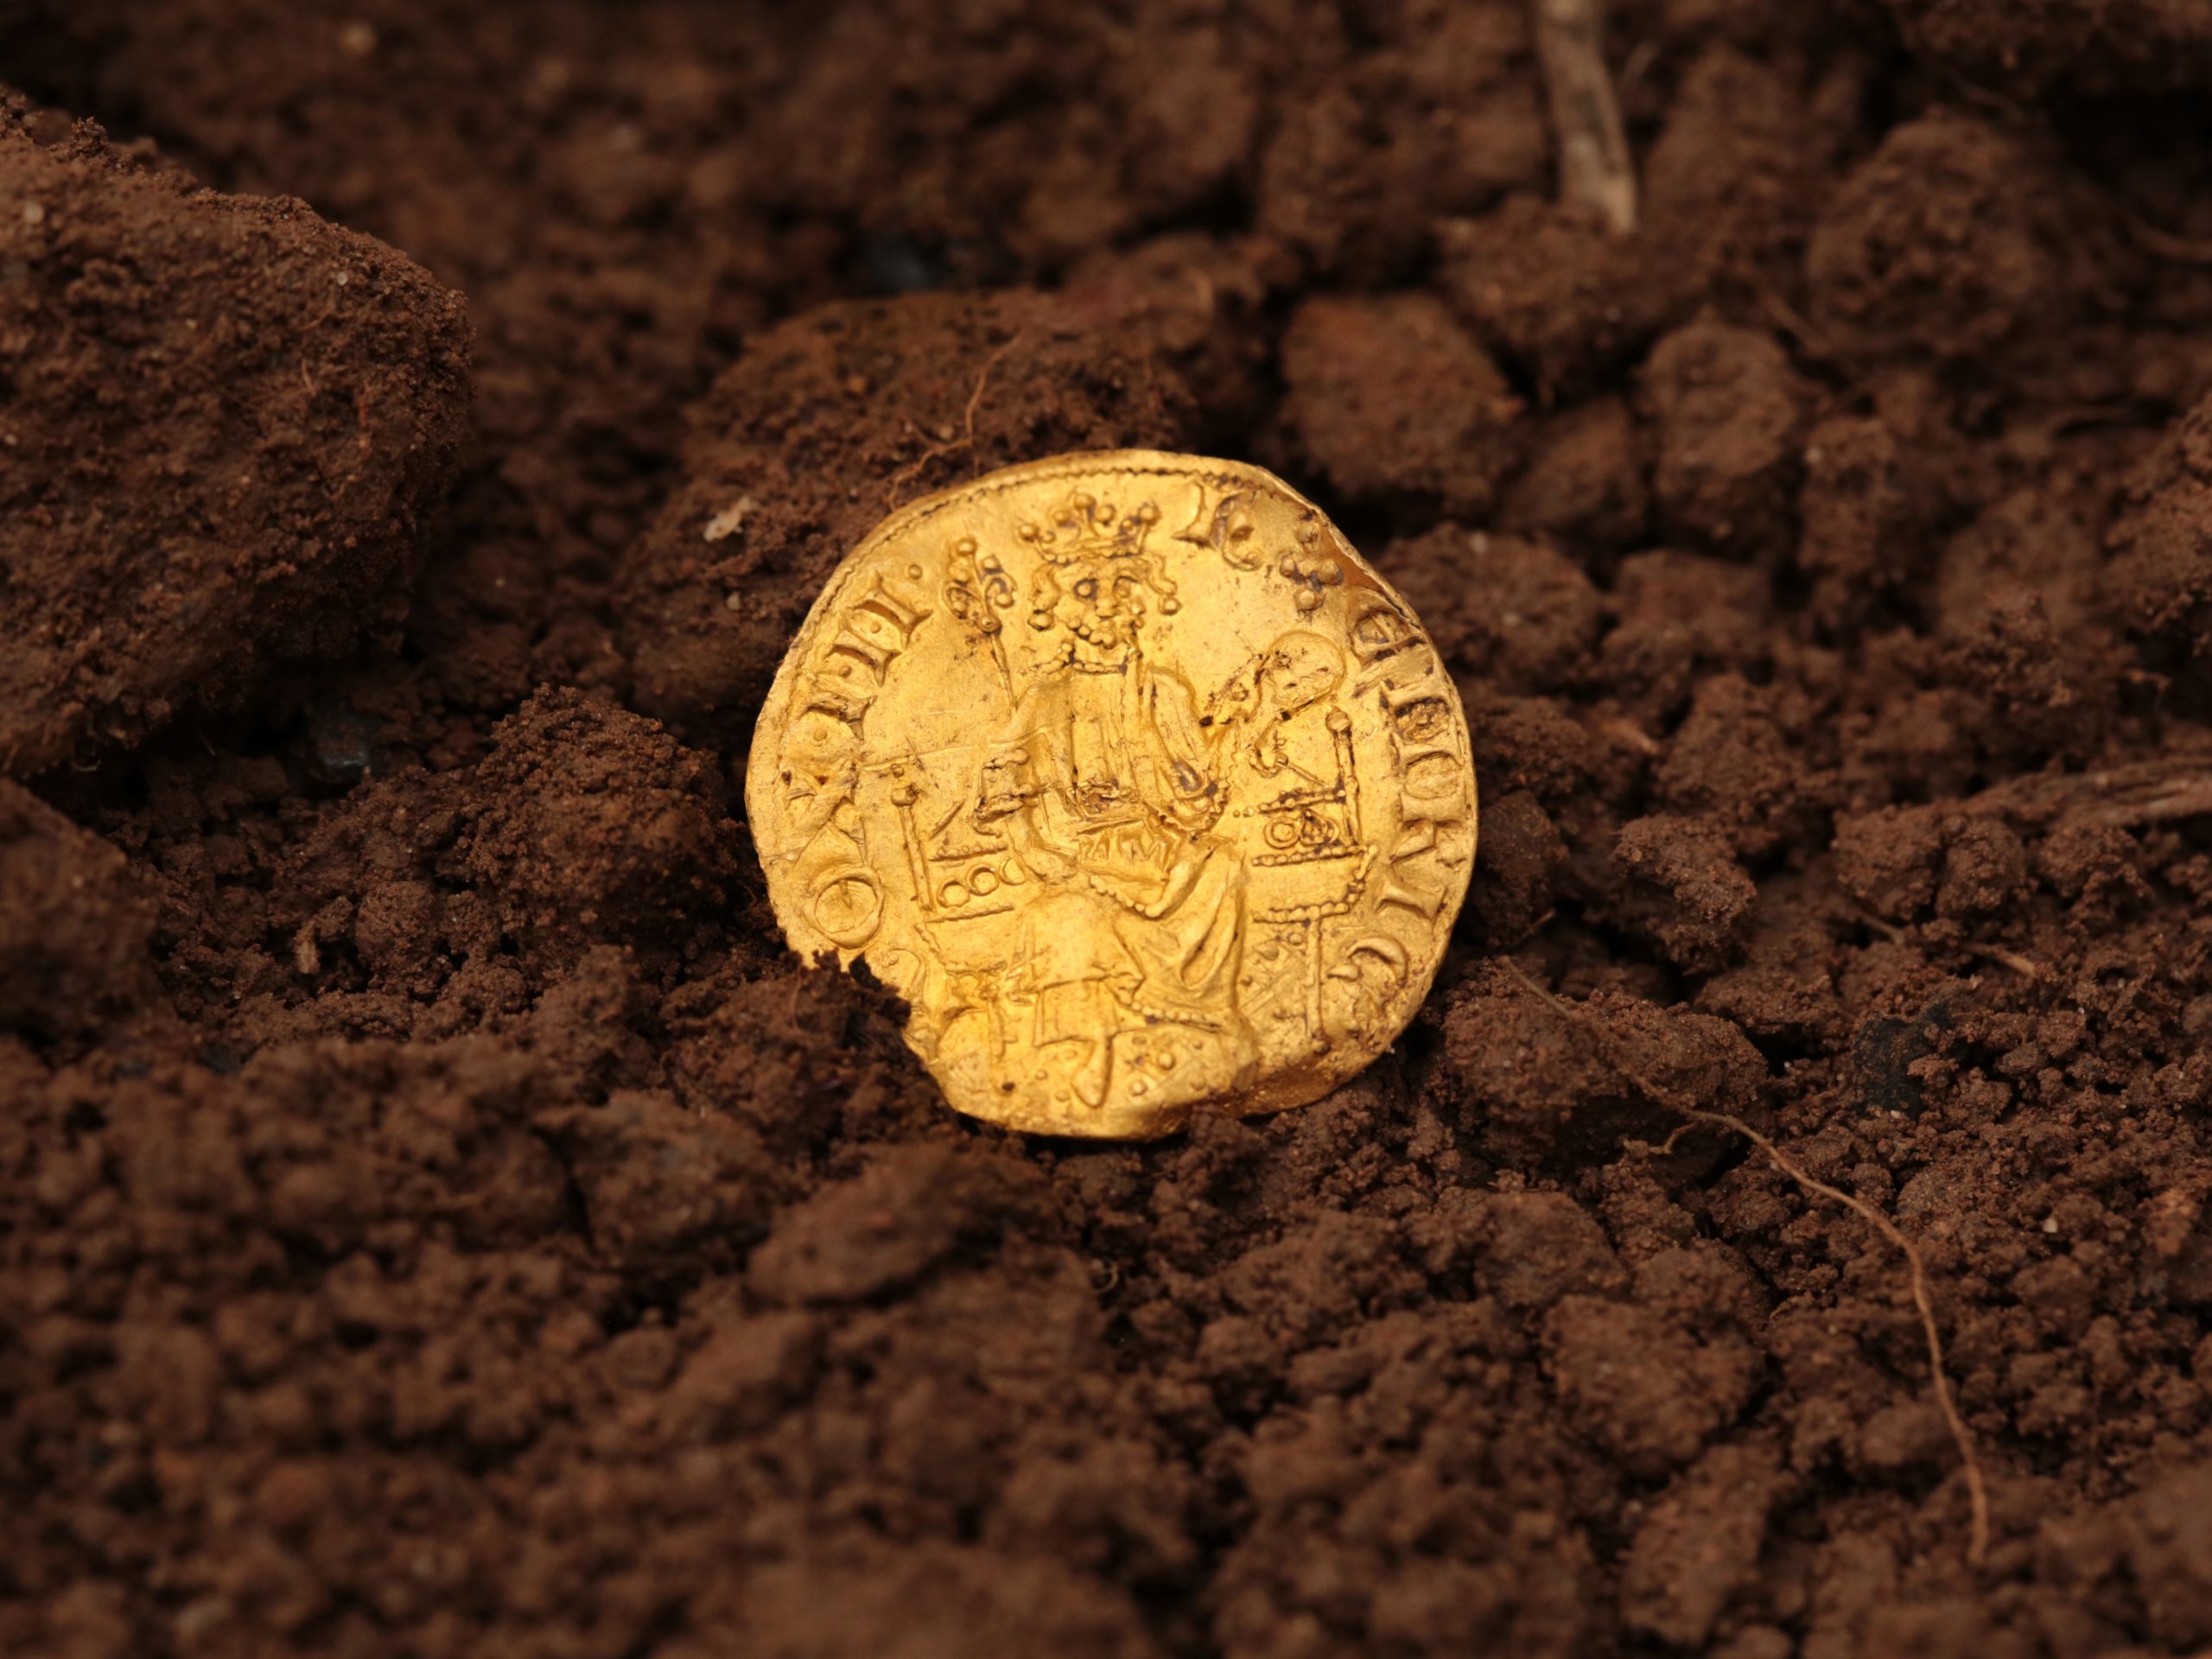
(225, 424)
(437, 1219)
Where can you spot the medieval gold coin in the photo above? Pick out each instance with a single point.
(1144, 790)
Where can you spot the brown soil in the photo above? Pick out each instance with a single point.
(225, 420)
(436, 1218)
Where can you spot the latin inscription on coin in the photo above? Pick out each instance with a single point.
(1133, 778)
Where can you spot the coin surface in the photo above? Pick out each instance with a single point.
(1137, 783)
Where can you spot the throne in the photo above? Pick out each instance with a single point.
(1313, 863)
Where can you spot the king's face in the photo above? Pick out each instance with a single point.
(1101, 602)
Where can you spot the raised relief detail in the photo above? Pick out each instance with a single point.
(1221, 521)
(866, 637)
(1192, 834)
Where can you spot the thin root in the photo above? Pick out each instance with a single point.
(913, 468)
(1916, 1267)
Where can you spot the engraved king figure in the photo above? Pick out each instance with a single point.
(1106, 784)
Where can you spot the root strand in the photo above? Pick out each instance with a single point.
(1916, 1266)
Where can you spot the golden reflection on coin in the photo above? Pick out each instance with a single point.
(1128, 774)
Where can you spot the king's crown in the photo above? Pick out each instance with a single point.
(1083, 527)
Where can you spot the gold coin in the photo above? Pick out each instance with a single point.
(1129, 774)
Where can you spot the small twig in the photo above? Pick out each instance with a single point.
(2177, 797)
(1889, 930)
(1595, 168)
(1810, 340)
(1635, 736)
(1636, 65)
(1972, 91)
(1969, 1462)
(1997, 953)
(2175, 785)
(2057, 422)
(2164, 244)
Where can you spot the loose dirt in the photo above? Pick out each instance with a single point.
(436, 1217)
